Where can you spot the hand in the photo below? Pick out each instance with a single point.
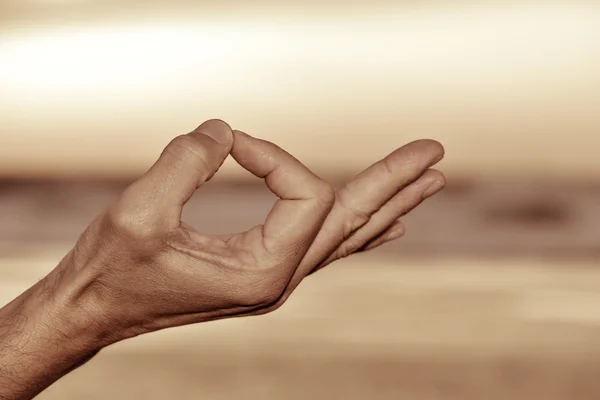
(139, 268)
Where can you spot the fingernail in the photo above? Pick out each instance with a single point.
(434, 188)
(218, 130)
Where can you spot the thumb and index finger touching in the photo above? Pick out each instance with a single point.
(190, 160)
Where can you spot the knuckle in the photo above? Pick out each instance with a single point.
(345, 250)
(356, 220)
(325, 194)
(131, 224)
(322, 195)
(185, 143)
(355, 217)
(189, 151)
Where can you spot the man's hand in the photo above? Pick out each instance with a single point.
(138, 268)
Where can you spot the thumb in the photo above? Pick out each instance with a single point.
(185, 164)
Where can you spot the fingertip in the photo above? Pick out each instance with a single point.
(237, 134)
(432, 147)
(433, 175)
(437, 181)
(396, 230)
(258, 156)
(218, 130)
(243, 139)
(395, 234)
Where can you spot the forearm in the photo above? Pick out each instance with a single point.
(42, 338)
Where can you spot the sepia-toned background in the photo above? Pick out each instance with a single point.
(494, 293)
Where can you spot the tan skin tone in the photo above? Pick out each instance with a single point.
(138, 268)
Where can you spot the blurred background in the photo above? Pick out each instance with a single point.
(494, 293)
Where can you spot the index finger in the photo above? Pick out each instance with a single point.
(304, 199)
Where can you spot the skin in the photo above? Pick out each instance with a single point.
(138, 268)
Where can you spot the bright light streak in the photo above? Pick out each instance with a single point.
(439, 47)
(464, 70)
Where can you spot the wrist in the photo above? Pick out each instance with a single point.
(46, 314)
(42, 338)
(66, 301)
